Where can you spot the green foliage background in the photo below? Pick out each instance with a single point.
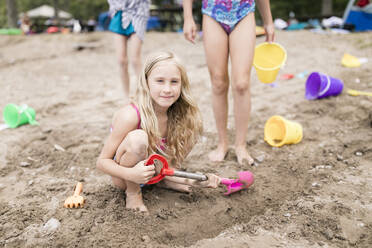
(84, 9)
(304, 8)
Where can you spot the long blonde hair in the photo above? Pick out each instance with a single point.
(184, 124)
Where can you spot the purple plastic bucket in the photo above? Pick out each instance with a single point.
(319, 85)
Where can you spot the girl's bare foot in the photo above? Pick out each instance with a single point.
(134, 201)
(218, 154)
(243, 155)
(175, 186)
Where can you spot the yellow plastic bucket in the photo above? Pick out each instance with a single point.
(268, 59)
(350, 61)
(279, 131)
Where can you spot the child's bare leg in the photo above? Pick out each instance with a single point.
(135, 45)
(132, 150)
(242, 42)
(217, 52)
(175, 183)
(121, 48)
(120, 183)
(185, 184)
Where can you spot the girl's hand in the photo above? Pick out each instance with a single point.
(141, 173)
(189, 30)
(270, 32)
(212, 182)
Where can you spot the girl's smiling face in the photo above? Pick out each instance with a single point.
(164, 83)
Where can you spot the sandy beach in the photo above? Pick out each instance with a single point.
(317, 193)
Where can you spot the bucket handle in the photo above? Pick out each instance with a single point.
(326, 88)
(29, 117)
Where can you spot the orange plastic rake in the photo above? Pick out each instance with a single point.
(75, 200)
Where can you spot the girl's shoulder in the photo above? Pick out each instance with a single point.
(126, 116)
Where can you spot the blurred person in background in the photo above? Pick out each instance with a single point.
(129, 20)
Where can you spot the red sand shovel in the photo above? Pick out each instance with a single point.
(166, 171)
(245, 178)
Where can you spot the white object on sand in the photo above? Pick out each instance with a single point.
(3, 126)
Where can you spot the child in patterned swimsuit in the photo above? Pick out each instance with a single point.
(128, 23)
(163, 119)
(229, 30)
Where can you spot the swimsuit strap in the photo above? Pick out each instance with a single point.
(138, 115)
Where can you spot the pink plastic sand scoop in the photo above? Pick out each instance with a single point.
(245, 178)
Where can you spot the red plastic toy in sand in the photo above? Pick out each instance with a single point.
(245, 178)
(165, 171)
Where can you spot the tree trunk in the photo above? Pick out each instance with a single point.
(12, 13)
(55, 5)
(66, 5)
(327, 7)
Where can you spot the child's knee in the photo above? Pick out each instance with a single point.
(220, 84)
(241, 86)
(220, 88)
(123, 62)
(138, 143)
(136, 62)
